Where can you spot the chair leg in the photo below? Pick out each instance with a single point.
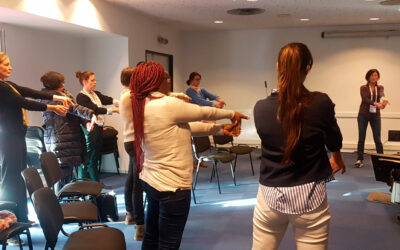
(19, 242)
(101, 156)
(212, 174)
(216, 173)
(251, 163)
(194, 196)
(234, 166)
(29, 238)
(116, 160)
(4, 246)
(197, 174)
(233, 174)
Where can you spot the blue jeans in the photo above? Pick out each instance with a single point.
(375, 123)
(166, 217)
(133, 187)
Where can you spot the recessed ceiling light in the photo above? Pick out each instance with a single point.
(374, 19)
(252, 0)
(218, 21)
(369, 0)
(304, 19)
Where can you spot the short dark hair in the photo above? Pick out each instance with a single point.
(370, 72)
(126, 74)
(52, 80)
(192, 76)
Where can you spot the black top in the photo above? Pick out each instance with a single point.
(310, 160)
(85, 101)
(366, 100)
(11, 104)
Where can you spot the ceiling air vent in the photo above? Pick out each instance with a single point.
(246, 11)
(390, 2)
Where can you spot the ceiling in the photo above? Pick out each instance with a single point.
(200, 14)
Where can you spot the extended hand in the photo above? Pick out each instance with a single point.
(58, 109)
(337, 162)
(238, 118)
(181, 96)
(65, 100)
(232, 129)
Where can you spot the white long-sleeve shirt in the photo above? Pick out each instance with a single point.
(168, 124)
(125, 110)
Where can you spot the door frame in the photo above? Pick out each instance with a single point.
(170, 62)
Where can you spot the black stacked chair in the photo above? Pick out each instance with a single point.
(240, 149)
(110, 145)
(14, 230)
(52, 173)
(35, 145)
(74, 211)
(201, 144)
(96, 236)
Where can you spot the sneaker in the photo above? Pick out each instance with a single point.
(359, 164)
(13, 241)
(129, 219)
(139, 234)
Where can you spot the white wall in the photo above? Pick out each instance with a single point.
(235, 64)
(33, 52)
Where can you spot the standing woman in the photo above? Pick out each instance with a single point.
(199, 95)
(63, 134)
(13, 124)
(93, 100)
(163, 126)
(295, 126)
(372, 101)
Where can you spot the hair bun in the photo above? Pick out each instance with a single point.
(78, 74)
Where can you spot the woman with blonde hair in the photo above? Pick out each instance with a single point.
(13, 125)
(295, 126)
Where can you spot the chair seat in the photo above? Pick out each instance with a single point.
(240, 150)
(105, 238)
(81, 187)
(79, 211)
(12, 231)
(222, 157)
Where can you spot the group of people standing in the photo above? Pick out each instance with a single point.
(296, 127)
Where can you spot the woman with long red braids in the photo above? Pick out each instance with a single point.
(163, 126)
(295, 126)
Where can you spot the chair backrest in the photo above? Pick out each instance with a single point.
(35, 145)
(51, 169)
(49, 214)
(222, 139)
(32, 180)
(200, 144)
(383, 165)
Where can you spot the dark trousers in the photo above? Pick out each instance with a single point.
(166, 217)
(12, 162)
(375, 123)
(133, 187)
(94, 141)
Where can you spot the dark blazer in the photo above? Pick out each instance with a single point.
(310, 160)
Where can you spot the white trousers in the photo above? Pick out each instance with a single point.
(311, 230)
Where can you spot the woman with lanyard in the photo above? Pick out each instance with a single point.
(93, 100)
(13, 125)
(372, 101)
(295, 126)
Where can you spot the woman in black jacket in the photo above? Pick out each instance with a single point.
(94, 100)
(63, 134)
(13, 123)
